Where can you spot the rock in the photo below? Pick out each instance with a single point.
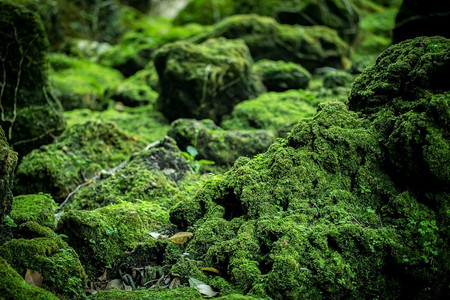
(77, 155)
(62, 272)
(405, 93)
(310, 46)
(337, 78)
(279, 76)
(206, 80)
(8, 162)
(38, 207)
(78, 83)
(13, 286)
(418, 18)
(222, 147)
(31, 116)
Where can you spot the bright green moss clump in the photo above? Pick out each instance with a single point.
(206, 80)
(13, 286)
(76, 155)
(279, 76)
(30, 115)
(309, 46)
(58, 264)
(218, 145)
(181, 293)
(39, 208)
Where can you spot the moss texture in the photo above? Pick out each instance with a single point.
(206, 80)
(279, 76)
(337, 78)
(309, 46)
(13, 286)
(108, 237)
(30, 115)
(78, 83)
(39, 208)
(163, 294)
(75, 156)
(58, 264)
(218, 145)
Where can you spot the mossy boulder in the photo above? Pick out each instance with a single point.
(310, 46)
(406, 93)
(31, 116)
(79, 83)
(343, 17)
(59, 265)
(181, 293)
(206, 80)
(215, 144)
(38, 207)
(279, 76)
(77, 155)
(13, 286)
(151, 175)
(337, 78)
(111, 235)
(273, 111)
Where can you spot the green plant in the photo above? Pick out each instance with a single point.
(8, 221)
(190, 154)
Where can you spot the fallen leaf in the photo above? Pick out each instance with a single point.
(33, 277)
(157, 235)
(212, 270)
(202, 287)
(180, 237)
(104, 276)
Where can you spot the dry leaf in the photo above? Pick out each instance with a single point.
(212, 270)
(33, 277)
(202, 287)
(104, 276)
(180, 237)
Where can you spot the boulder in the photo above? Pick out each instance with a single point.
(279, 76)
(39, 208)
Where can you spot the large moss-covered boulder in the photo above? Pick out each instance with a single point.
(52, 258)
(422, 18)
(30, 115)
(13, 286)
(206, 80)
(39, 208)
(153, 175)
(213, 143)
(8, 161)
(279, 76)
(339, 15)
(309, 46)
(406, 95)
(77, 155)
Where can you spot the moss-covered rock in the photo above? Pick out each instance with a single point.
(38, 207)
(151, 175)
(206, 80)
(107, 237)
(13, 286)
(279, 76)
(273, 111)
(75, 156)
(78, 83)
(406, 95)
(309, 46)
(163, 294)
(215, 144)
(30, 115)
(51, 257)
(337, 78)
(339, 15)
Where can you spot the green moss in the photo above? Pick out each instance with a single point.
(31, 116)
(273, 111)
(218, 145)
(142, 123)
(78, 83)
(108, 236)
(76, 155)
(206, 80)
(337, 78)
(13, 286)
(40, 208)
(309, 46)
(279, 76)
(179, 293)
(58, 264)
